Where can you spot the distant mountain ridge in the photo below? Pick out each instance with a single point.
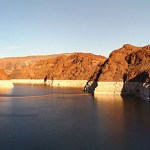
(13, 63)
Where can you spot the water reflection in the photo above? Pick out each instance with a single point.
(125, 120)
(5, 91)
(111, 109)
(72, 122)
(136, 122)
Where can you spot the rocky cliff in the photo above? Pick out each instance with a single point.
(125, 71)
(138, 64)
(138, 75)
(75, 66)
(116, 65)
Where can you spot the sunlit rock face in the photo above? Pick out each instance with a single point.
(116, 65)
(138, 73)
(74, 66)
(125, 63)
(139, 65)
(13, 63)
(125, 71)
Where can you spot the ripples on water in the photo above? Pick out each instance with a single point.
(42, 118)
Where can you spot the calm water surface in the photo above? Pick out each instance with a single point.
(42, 118)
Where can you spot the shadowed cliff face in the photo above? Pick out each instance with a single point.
(3, 75)
(125, 63)
(76, 66)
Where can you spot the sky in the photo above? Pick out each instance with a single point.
(42, 27)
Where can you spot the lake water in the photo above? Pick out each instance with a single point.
(43, 118)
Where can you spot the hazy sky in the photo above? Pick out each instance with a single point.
(34, 27)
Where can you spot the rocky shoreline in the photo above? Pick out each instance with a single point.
(137, 89)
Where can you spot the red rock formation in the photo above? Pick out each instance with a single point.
(76, 66)
(128, 60)
(116, 65)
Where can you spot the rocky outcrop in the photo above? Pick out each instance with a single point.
(4, 80)
(138, 89)
(138, 73)
(125, 71)
(116, 65)
(76, 66)
(138, 64)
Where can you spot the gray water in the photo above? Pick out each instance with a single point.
(43, 118)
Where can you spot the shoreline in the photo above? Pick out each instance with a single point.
(109, 88)
(6, 84)
(54, 83)
(98, 88)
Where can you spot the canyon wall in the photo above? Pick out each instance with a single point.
(124, 72)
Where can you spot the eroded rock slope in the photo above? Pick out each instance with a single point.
(75, 66)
